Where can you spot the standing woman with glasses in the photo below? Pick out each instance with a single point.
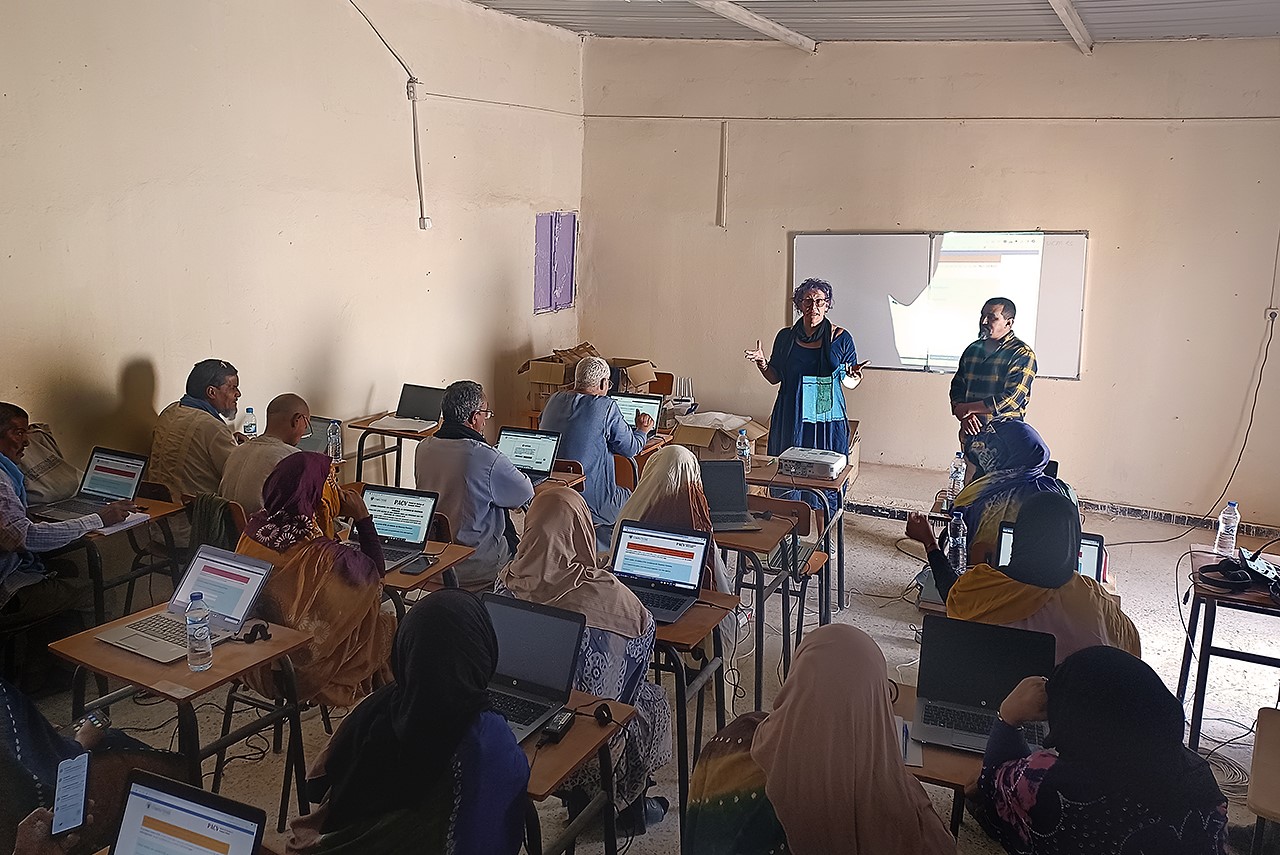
(808, 363)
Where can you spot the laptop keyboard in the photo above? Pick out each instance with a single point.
(656, 600)
(970, 721)
(515, 710)
(79, 506)
(163, 627)
(396, 553)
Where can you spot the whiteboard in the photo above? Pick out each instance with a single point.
(911, 300)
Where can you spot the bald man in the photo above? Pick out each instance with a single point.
(288, 420)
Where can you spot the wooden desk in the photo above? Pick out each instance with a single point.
(1255, 600)
(750, 545)
(672, 643)
(764, 473)
(560, 479)
(366, 428)
(397, 583)
(552, 764)
(944, 767)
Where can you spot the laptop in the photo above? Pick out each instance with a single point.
(538, 648)
(532, 451)
(230, 584)
(1093, 553)
(317, 438)
(725, 484)
(966, 670)
(632, 404)
(418, 410)
(661, 566)
(402, 518)
(111, 476)
(165, 817)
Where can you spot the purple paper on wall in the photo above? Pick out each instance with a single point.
(555, 243)
(542, 231)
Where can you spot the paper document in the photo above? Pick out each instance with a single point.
(724, 421)
(134, 518)
(912, 751)
(397, 423)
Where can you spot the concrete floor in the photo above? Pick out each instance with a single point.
(1150, 582)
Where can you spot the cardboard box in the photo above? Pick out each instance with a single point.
(711, 443)
(549, 374)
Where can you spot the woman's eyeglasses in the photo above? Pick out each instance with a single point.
(811, 303)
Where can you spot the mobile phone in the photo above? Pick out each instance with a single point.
(69, 794)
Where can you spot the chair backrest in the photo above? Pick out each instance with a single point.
(663, 384)
(238, 517)
(1264, 777)
(441, 531)
(569, 467)
(798, 511)
(155, 491)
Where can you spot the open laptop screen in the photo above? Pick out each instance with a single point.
(977, 664)
(113, 475)
(725, 485)
(401, 514)
(537, 645)
(317, 437)
(1091, 551)
(529, 450)
(162, 819)
(230, 583)
(632, 404)
(660, 556)
(420, 402)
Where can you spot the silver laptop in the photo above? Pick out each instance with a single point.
(966, 670)
(538, 648)
(111, 476)
(661, 566)
(418, 410)
(164, 817)
(317, 436)
(533, 452)
(1093, 553)
(725, 484)
(402, 518)
(230, 584)
(630, 405)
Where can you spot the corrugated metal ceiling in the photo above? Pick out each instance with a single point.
(909, 20)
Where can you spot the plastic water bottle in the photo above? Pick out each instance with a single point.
(958, 542)
(1228, 522)
(250, 426)
(334, 442)
(955, 480)
(744, 450)
(199, 644)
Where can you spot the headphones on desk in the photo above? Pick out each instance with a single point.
(1226, 576)
(254, 630)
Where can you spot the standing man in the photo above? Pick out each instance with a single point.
(288, 420)
(192, 440)
(994, 378)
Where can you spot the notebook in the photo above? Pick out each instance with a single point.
(538, 648)
(632, 404)
(165, 817)
(230, 584)
(111, 476)
(1093, 553)
(966, 670)
(533, 452)
(402, 518)
(725, 483)
(418, 410)
(661, 566)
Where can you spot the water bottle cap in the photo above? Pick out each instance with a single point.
(742, 432)
(960, 454)
(1231, 504)
(957, 515)
(248, 409)
(196, 595)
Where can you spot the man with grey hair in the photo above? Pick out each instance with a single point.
(592, 430)
(478, 485)
(288, 420)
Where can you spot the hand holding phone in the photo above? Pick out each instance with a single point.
(69, 795)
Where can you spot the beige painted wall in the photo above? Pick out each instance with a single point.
(1166, 153)
(235, 179)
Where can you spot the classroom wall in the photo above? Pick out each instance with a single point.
(235, 179)
(1165, 152)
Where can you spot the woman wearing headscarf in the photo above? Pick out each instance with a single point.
(422, 765)
(556, 565)
(822, 773)
(1041, 588)
(320, 586)
(1010, 457)
(670, 494)
(1117, 780)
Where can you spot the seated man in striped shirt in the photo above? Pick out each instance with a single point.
(994, 378)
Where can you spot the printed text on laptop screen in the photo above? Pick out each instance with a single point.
(399, 516)
(660, 556)
(630, 406)
(157, 823)
(228, 588)
(528, 451)
(113, 477)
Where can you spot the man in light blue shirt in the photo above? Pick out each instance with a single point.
(592, 430)
(477, 484)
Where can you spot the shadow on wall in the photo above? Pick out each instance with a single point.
(510, 395)
(96, 417)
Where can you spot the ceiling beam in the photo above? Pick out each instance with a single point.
(1075, 25)
(759, 23)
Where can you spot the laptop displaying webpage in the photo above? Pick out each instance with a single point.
(229, 587)
(535, 648)
(1090, 554)
(112, 476)
(532, 451)
(400, 516)
(632, 404)
(159, 823)
(660, 556)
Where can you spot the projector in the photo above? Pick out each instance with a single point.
(812, 463)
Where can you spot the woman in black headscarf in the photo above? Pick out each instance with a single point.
(1118, 780)
(423, 761)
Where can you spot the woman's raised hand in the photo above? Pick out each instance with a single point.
(757, 356)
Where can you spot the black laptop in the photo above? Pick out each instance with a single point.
(725, 484)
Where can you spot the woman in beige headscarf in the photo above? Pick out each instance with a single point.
(822, 773)
(556, 566)
(670, 494)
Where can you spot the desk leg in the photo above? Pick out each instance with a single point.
(93, 559)
(681, 676)
(364, 436)
(957, 812)
(754, 561)
(1202, 674)
(399, 458)
(295, 762)
(189, 742)
(609, 813)
(1187, 648)
(397, 600)
(449, 578)
(532, 828)
(786, 608)
(841, 604)
(717, 646)
(78, 678)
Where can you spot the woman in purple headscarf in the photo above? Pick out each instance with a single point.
(320, 586)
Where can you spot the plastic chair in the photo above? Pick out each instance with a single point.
(1264, 775)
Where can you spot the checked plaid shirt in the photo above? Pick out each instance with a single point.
(1002, 379)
